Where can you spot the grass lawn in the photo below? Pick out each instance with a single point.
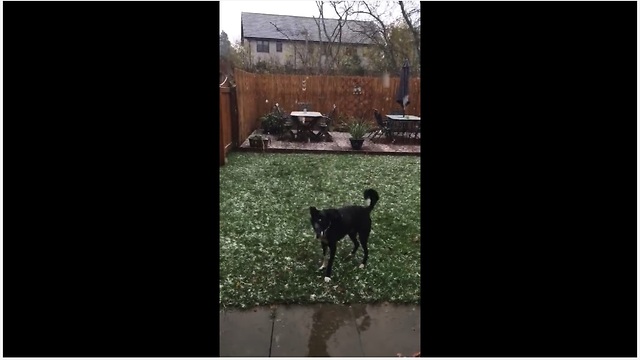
(268, 250)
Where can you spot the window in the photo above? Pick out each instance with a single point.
(279, 46)
(348, 51)
(263, 46)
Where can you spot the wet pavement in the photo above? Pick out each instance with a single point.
(321, 330)
(246, 333)
(340, 144)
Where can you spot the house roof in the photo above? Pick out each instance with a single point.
(293, 28)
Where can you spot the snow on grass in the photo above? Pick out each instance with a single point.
(268, 251)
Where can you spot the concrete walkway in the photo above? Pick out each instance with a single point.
(321, 330)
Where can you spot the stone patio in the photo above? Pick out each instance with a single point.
(340, 144)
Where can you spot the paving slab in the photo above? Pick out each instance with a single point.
(386, 330)
(319, 330)
(246, 333)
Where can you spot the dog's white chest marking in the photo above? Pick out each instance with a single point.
(367, 202)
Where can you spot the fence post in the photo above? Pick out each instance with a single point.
(225, 124)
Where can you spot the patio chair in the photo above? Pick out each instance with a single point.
(383, 127)
(326, 123)
(287, 124)
(288, 131)
(330, 115)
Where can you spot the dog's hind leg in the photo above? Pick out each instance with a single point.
(364, 238)
(353, 238)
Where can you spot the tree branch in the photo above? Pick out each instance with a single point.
(416, 35)
(300, 55)
(373, 34)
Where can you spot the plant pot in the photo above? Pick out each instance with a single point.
(356, 144)
(259, 143)
(254, 142)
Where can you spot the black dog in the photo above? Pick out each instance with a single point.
(332, 225)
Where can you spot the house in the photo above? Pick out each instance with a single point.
(296, 41)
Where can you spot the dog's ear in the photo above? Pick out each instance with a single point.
(313, 211)
(333, 214)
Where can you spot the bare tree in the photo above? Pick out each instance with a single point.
(406, 15)
(387, 31)
(331, 43)
(379, 27)
(378, 34)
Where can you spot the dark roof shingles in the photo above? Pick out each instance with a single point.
(261, 26)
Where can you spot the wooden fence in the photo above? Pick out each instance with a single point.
(225, 123)
(254, 90)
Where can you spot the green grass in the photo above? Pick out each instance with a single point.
(268, 250)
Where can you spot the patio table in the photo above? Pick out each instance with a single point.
(305, 121)
(404, 120)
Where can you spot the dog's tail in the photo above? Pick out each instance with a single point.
(371, 196)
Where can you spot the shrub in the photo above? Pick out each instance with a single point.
(273, 122)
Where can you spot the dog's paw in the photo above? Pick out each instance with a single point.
(327, 279)
(361, 266)
(321, 268)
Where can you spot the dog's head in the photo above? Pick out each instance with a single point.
(321, 220)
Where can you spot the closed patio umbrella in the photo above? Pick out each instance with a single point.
(402, 96)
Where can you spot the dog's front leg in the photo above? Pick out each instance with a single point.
(332, 255)
(324, 256)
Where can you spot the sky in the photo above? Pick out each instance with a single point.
(230, 12)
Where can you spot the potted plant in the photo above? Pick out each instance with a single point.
(270, 123)
(357, 129)
(259, 141)
(273, 122)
